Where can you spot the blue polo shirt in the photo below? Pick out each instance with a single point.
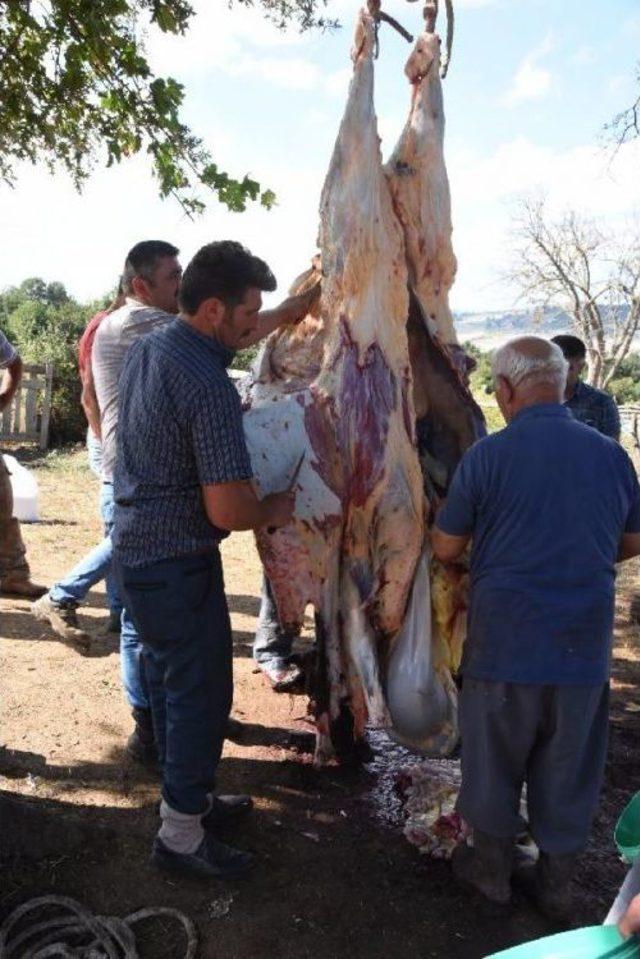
(546, 501)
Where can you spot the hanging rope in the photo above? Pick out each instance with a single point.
(77, 934)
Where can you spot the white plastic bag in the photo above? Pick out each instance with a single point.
(423, 703)
(25, 490)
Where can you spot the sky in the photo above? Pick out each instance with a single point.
(530, 86)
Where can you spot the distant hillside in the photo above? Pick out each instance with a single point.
(491, 329)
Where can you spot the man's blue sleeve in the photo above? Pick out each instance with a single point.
(610, 420)
(458, 515)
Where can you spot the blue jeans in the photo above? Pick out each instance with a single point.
(90, 570)
(272, 643)
(93, 567)
(180, 610)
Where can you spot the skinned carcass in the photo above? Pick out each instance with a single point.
(371, 394)
(359, 523)
(448, 419)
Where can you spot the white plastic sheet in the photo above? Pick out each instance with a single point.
(423, 703)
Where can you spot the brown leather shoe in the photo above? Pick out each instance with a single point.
(63, 620)
(14, 585)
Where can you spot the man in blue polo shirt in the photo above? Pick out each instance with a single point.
(182, 482)
(550, 506)
(587, 404)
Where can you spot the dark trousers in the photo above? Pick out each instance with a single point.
(553, 738)
(180, 610)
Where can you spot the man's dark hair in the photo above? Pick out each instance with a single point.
(226, 270)
(142, 260)
(572, 346)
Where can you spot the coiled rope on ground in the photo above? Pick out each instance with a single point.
(77, 934)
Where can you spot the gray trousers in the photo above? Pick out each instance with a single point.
(272, 643)
(553, 738)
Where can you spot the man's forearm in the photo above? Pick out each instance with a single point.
(236, 506)
(90, 406)
(10, 382)
(242, 512)
(291, 310)
(629, 547)
(268, 321)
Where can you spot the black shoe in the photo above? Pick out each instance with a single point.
(211, 860)
(227, 810)
(141, 744)
(234, 730)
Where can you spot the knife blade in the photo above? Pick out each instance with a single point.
(292, 483)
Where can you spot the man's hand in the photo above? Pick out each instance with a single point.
(279, 508)
(295, 308)
(447, 548)
(630, 922)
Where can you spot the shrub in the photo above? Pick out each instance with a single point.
(57, 344)
(624, 389)
(45, 324)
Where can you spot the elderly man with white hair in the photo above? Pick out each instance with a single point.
(549, 506)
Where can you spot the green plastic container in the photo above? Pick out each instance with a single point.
(627, 834)
(593, 942)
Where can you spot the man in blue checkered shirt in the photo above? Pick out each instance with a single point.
(587, 404)
(182, 483)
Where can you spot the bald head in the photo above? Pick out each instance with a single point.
(526, 371)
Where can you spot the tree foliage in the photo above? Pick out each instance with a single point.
(625, 387)
(76, 89)
(573, 262)
(481, 378)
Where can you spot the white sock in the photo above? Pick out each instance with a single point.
(180, 832)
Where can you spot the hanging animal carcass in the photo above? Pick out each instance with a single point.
(368, 388)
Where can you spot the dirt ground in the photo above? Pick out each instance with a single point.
(335, 875)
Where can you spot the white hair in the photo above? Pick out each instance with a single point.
(531, 358)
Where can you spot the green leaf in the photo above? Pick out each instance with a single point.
(77, 90)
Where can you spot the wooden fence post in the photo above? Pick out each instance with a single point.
(28, 415)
